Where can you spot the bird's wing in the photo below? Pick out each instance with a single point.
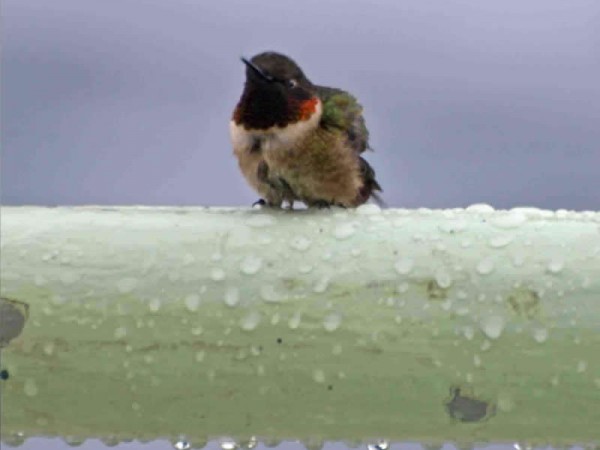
(341, 110)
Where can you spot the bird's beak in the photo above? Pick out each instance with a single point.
(257, 70)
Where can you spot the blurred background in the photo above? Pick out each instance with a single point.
(128, 102)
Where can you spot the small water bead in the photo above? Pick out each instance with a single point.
(402, 288)
(305, 268)
(200, 356)
(217, 274)
(485, 266)
(120, 332)
(250, 321)
(477, 360)
(300, 243)
(582, 366)
(192, 302)
(540, 335)
(321, 285)
(232, 297)
(251, 265)
(197, 331)
(556, 265)
(443, 278)
(275, 318)
(485, 345)
(344, 231)
(332, 321)
(154, 305)
(294, 321)
(337, 349)
(269, 294)
(49, 348)
(500, 241)
(30, 387)
(126, 285)
(468, 332)
(319, 376)
(404, 265)
(492, 326)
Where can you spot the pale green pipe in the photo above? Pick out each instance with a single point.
(466, 325)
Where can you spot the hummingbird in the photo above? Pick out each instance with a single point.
(297, 141)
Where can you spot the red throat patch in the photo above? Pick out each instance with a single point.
(308, 108)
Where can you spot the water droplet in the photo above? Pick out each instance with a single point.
(337, 349)
(181, 444)
(556, 265)
(228, 444)
(295, 320)
(540, 335)
(469, 332)
(402, 288)
(332, 321)
(581, 366)
(300, 243)
(305, 268)
(269, 294)
(120, 332)
(154, 304)
(480, 208)
(319, 376)
(197, 331)
(500, 241)
(250, 321)
(126, 285)
(200, 356)
(382, 444)
(69, 277)
(49, 348)
(251, 265)
(192, 302)
(492, 326)
(443, 278)
(30, 387)
(343, 231)
(188, 259)
(232, 296)
(321, 285)
(476, 360)
(485, 266)
(404, 266)
(217, 274)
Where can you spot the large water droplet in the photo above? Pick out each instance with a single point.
(251, 265)
(343, 231)
(192, 302)
(250, 321)
(232, 296)
(492, 326)
(485, 266)
(332, 321)
(404, 266)
(181, 444)
(228, 444)
(480, 208)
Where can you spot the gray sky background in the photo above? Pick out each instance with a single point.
(128, 102)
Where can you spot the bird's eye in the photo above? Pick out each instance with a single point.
(292, 83)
